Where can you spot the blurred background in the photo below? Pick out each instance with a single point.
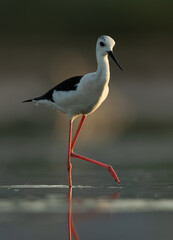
(44, 42)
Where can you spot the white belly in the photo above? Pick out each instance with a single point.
(78, 102)
(97, 101)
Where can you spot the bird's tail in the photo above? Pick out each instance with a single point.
(29, 100)
(33, 100)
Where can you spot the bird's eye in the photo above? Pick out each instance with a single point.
(102, 44)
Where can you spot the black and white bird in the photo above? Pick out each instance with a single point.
(82, 95)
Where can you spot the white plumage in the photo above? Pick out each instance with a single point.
(82, 95)
(91, 90)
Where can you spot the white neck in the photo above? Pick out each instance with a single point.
(103, 71)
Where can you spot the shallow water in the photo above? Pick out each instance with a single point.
(36, 203)
(140, 207)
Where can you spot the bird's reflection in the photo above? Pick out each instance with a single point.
(71, 227)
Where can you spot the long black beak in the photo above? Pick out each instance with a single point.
(112, 56)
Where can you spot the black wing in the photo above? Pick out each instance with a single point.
(68, 85)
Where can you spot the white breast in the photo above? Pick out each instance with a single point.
(92, 92)
(84, 100)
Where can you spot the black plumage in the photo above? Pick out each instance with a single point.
(69, 84)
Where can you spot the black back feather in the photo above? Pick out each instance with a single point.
(68, 85)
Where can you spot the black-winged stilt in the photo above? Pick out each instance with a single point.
(82, 95)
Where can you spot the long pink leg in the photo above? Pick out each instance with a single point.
(72, 154)
(108, 167)
(69, 166)
(77, 132)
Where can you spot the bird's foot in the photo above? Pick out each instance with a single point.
(113, 173)
(108, 167)
(70, 183)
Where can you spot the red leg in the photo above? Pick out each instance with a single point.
(108, 167)
(77, 132)
(69, 166)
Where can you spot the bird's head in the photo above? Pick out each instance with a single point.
(105, 46)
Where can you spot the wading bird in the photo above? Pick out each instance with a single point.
(82, 95)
